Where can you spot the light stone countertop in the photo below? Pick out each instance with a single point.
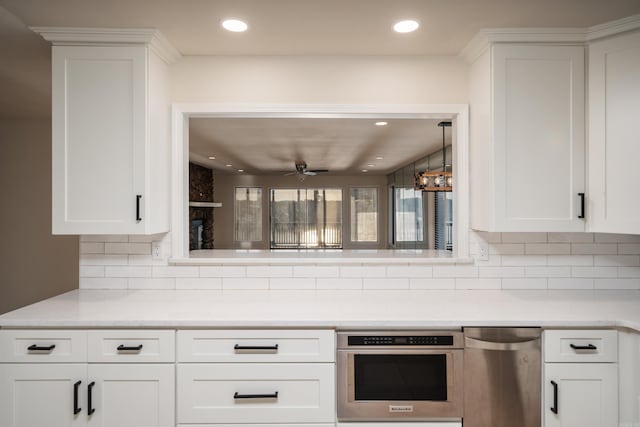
(329, 309)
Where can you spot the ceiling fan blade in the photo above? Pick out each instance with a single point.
(318, 170)
(290, 173)
(311, 173)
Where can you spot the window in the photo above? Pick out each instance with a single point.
(408, 220)
(248, 214)
(364, 214)
(306, 218)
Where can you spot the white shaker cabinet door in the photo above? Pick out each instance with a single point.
(581, 395)
(99, 132)
(614, 129)
(33, 395)
(131, 395)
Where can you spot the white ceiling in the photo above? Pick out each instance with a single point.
(345, 146)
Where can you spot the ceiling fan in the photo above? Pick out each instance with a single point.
(301, 170)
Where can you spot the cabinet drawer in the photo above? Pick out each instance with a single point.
(123, 346)
(256, 346)
(43, 346)
(590, 346)
(256, 393)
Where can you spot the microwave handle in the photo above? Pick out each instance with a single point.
(503, 346)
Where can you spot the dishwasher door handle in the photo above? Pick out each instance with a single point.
(501, 346)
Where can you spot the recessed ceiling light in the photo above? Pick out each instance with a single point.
(406, 26)
(240, 170)
(379, 158)
(371, 165)
(212, 157)
(234, 25)
(228, 166)
(381, 123)
(365, 170)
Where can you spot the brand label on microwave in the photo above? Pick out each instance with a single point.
(400, 408)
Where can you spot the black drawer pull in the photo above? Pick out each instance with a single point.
(34, 347)
(236, 395)
(76, 409)
(124, 348)
(256, 347)
(91, 409)
(581, 195)
(138, 217)
(583, 347)
(554, 408)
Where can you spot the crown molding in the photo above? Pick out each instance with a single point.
(76, 36)
(612, 28)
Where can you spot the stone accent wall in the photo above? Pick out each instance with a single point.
(201, 190)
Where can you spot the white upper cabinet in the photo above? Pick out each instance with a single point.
(111, 134)
(527, 138)
(614, 129)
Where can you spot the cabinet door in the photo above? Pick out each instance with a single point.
(538, 125)
(586, 395)
(42, 395)
(99, 130)
(614, 126)
(132, 395)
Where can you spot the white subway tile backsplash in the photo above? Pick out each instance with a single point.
(594, 249)
(128, 248)
(102, 238)
(629, 249)
(91, 271)
(152, 283)
(296, 283)
(523, 260)
(103, 283)
(246, 283)
(431, 284)
(570, 237)
(594, 271)
(616, 238)
(529, 283)
(455, 271)
(199, 283)
(316, 271)
(269, 271)
(174, 271)
(570, 260)
(572, 283)
(224, 271)
(478, 283)
(611, 284)
(507, 249)
(91, 247)
(547, 271)
(524, 237)
(127, 271)
(628, 272)
(384, 283)
(617, 260)
(493, 261)
(547, 249)
(145, 260)
(501, 271)
(488, 237)
(339, 283)
(409, 271)
(89, 259)
(362, 271)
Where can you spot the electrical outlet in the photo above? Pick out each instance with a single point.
(483, 251)
(156, 250)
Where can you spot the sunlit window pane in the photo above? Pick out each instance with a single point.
(248, 214)
(409, 218)
(364, 215)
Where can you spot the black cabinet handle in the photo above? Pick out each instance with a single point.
(236, 395)
(583, 347)
(138, 217)
(34, 347)
(256, 347)
(554, 408)
(91, 409)
(76, 409)
(581, 195)
(135, 348)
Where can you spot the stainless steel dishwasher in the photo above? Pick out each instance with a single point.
(502, 385)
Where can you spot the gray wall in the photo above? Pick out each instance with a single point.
(34, 265)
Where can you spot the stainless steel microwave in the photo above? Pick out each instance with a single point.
(400, 375)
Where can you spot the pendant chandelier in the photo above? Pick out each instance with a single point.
(436, 181)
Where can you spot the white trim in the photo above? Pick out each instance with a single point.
(75, 36)
(612, 28)
(180, 151)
